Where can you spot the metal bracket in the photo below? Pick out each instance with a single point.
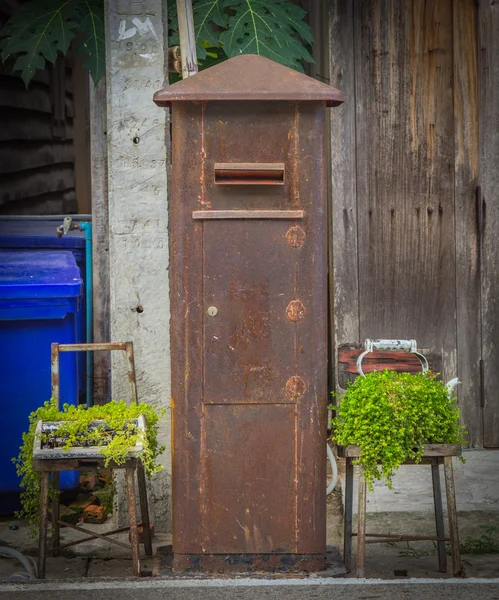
(409, 346)
(126, 347)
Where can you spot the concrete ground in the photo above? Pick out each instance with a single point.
(251, 589)
(407, 509)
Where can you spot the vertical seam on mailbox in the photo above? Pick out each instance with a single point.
(203, 362)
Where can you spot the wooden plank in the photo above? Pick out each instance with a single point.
(439, 517)
(100, 243)
(30, 126)
(41, 79)
(430, 450)
(247, 214)
(457, 567)
(467, 239)
(13, 94)
(348, 515)
(344, 269)
(19, 186)
(405, 180)
(53, 203)
(21, 156)
(378, 361)
(188, 52)
(489, 179)
(81, 137)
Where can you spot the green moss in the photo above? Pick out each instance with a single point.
(76, 431)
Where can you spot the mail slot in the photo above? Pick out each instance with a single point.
(249, 321)
(249, 174)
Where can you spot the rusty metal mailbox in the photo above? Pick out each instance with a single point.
(249, 323)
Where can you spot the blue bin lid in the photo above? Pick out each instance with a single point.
(39, 274)
(37, 234)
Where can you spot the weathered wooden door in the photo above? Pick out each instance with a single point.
(405, 171)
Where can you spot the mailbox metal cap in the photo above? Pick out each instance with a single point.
(249, 77)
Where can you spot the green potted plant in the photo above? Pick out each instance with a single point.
(391, 416)
(114, 430)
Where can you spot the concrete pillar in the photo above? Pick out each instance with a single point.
(137, 133)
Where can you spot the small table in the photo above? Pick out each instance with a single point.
(434, 455)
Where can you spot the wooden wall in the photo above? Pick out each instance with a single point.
(488, 202)
(36, 139)
(405, 170)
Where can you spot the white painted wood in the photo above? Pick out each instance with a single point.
(188, 52)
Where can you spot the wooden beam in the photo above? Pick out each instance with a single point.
(488, 17)
(344, 262)
(465, 86)
(100, 233)
(188, 52)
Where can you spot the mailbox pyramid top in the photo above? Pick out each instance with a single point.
(249, 77)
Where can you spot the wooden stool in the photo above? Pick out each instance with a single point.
(398, 355)
(54, 467)
(434, 455)
(90, 459)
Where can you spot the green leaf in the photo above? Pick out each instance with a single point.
(267, 28)
(38, 32)
(271, 28)
(205, 14)
(209, 19)
(89, 14)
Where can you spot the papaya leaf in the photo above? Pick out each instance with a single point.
(206, 14)
(209, 19)
(89, 14)
(268, 28)
(37, 33)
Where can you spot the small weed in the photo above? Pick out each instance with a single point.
(485, 544)
(410, 551)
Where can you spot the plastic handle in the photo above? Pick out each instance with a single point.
(409, 346)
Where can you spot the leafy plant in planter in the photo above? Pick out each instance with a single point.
(390, 416)
(116, 435)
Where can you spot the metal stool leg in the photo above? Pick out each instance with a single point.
(144, 508)
(457, 568)
(439, 515)
(347, 527)
(42, 524)
(56, 529)
(361, 525)
(132, 516)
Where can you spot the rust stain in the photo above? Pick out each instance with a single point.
(296, 236)
(295, 387)
(202, 199)
(295, 189)
(295, 310)
(254, 327)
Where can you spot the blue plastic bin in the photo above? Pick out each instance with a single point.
(30, 233)
(40, 298)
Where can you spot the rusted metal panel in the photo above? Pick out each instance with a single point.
(126, 347)
(248, 301)
(250, 563)
(249, 77)
(247, 214)
(250, 480)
